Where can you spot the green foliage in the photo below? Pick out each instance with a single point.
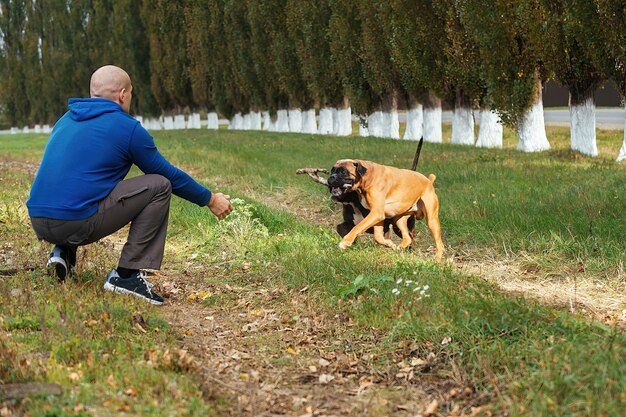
(568, 24)
(511, 51)
(307, 25)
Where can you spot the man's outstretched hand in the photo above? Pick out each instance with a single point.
(220, 205)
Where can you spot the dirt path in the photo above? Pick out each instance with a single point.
(270, 352)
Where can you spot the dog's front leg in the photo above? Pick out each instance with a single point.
(379, 236)
(372, 219)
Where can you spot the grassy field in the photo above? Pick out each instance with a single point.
(556, 214)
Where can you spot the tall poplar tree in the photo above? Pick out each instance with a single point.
(512, 51)
(567, 27)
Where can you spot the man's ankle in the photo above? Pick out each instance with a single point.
(125, 272)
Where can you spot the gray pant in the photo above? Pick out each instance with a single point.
(142, 201)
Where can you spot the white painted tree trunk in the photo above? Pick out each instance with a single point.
(622, 152)
(26, 129)
(168, 123)
(335, 113)
(236, 122)
(432, 124)
(583, 127)
(295, 120)
(267, 120)
(463, 126)
(37, 128)
(46, 129)
(490, 130)
(531, 132)
(255, 120)
(414, 123)
(375, 124)
(14, 130)
(344, 122)
(212, 121)
(325, 126)
(391, 124)
(246, 122)
(309, 124)
(282, 121)
(193, 122)
(179, 121)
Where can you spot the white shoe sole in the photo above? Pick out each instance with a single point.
(55, 262)
(110, 287)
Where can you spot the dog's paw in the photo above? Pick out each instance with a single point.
(343, 245)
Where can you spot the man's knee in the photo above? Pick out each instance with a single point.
(160, 183)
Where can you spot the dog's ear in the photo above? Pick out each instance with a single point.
(360, 169)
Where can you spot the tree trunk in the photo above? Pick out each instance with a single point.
(236, 123)
(462, 121)
(622, 152)
(255, 120)
(212, 120)
(531, 132)
(168, 123)
(282, 121)
(267, 120)
(295, 120)
(414, 120)
(308, 122)
(179, 121)
(375, 124)
(344, 118)
(432, 118)
(490, 130)
(326, 121)
(390, 121)
(583, 124)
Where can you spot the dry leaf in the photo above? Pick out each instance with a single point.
(432, 408)
(111, 381)
(131, 392)
(325, 378)
(292, 351)
(446, 340)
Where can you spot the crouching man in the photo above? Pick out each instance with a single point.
(80, 196)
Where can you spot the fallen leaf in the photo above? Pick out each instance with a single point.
(325, 378)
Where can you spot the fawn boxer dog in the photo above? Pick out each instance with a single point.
(388, 193)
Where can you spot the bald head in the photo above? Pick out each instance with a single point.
(113, 83)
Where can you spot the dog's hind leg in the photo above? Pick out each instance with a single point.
(402, 224)
(431, 208)
(379, 236)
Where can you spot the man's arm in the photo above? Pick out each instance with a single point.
(147, 157)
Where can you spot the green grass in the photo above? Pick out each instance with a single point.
(562, 212)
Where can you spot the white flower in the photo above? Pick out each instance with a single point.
(395, 291)
(414, 272)
(374, 290)
(426, 287)
(399, 281)
(416, 289)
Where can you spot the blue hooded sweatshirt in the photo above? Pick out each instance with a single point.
(90, 150)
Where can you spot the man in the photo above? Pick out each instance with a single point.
(80, 196)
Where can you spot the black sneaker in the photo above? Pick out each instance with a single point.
(62, 260)
(136, 284)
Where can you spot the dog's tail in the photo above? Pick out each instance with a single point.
(432, 178)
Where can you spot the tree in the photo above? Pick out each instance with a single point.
(512, 53)
(12, 27)
(567, 27)
(168, 54)
(418, 49)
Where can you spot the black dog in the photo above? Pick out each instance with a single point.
(354, 212)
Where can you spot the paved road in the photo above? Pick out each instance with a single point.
(611, 118)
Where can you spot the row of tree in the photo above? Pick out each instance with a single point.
(342, 57)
